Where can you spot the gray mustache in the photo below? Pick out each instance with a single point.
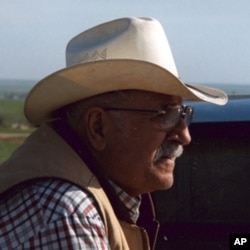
(169, 149)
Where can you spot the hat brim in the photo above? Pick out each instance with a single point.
(89, 79)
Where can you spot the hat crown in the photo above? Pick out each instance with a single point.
(127, 53)
(140, 39)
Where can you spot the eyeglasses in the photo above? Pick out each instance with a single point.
(167, 117)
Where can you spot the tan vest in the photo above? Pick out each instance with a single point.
(46, 154)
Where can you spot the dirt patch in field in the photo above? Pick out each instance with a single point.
(13, 137)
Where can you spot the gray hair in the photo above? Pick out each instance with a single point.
(73, 113)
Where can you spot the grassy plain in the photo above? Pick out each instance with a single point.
(6, 148)
(11, 112)
(14, 127)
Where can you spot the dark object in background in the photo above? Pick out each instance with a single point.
(211, 196)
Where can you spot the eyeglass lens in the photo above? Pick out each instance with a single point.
(172, 116)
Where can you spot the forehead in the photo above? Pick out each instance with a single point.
(147, 98)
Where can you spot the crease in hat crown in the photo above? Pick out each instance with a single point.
(126, 53)
(127, 38)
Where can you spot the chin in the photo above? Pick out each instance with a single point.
(164, 183)
(168, 184)
(166, 178)
(162, 176)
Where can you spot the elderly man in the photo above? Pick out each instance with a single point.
(111, 125)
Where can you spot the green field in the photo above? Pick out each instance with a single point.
(6, 148)
(12, 124)
(11, 112)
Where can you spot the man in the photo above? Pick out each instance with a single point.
(111, 125)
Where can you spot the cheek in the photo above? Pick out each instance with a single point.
(137, 147)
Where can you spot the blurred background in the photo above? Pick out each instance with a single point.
(210, 43)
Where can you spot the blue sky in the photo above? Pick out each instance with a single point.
(210, 39)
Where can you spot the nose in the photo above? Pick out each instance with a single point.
(180, 133)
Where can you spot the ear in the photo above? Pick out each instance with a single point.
(95, 120)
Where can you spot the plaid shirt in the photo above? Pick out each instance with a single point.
(54, 214)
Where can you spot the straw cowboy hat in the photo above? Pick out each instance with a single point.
(127, 53)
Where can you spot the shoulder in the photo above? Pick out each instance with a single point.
(61, 198)
(52, 199)
(51, 208)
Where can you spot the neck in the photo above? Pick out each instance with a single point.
(80, 147)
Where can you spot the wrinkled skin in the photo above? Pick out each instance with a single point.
(134, 152)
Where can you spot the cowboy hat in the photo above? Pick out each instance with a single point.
(127, 53)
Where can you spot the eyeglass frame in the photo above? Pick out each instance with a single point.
(185, 112)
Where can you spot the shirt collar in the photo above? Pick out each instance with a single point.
(131, 203)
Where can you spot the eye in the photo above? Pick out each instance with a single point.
(165, 120)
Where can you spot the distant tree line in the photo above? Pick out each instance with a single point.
(13, 95)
